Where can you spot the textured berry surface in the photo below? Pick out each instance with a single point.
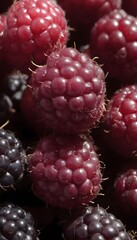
(34, 29)
(65, 170)
(69, 91)
(114, 41)
(82, 15)
(95, 224)
(16, 223)
(12, 159)
(125, 187)
(120, 121)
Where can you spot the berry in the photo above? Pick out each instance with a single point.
(82, 15)
(12, 159)
(114, 42)
(120, 121)
(34, 29)
(16, 223)
(95, 223)
(69, 91)
(14, 85)
(125, 187)
(65, 170)
(130, 6)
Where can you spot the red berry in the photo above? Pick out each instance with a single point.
(34, 29)
(125, 187)
(65, 170)
(69, 91)
(114, 41)
(120, 121)
(95, 223)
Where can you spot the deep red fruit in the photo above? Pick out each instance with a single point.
(82, 15)
(34, 29)
(130, 6)
(114, 41)
(31, 113)
(120, 121)
(125, 188)
(69, 91)
(65, 170)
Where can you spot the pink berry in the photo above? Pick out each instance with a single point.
(120, 121)
(114, 42)
(65, 170)
(69, 91)
(34, 29)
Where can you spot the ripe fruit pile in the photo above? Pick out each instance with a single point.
(68, 116)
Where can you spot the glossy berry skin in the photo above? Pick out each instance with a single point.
(65, 170)
(125, 188)
(69, 91)
(95, 223)
(34, 29)
(12, 160)
(82, 15)
(130, 6)
(120, 121)
(16, 223)
(114, 41)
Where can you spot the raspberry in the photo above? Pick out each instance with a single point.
(95, 223)
(114, 41)
(65, 170)
(130, 6)
(82, 15)
(120, 121)
(125, 187)
(16, 223)
(34, 29)
(69, 91)
(12, 159)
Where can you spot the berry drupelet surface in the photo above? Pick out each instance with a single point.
(95, 223)
(114, 41)
(65, 170)
(34, 28)
(120, 121)
(69, 91)
(16, 223)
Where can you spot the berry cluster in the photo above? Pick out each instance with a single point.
(68, 119)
